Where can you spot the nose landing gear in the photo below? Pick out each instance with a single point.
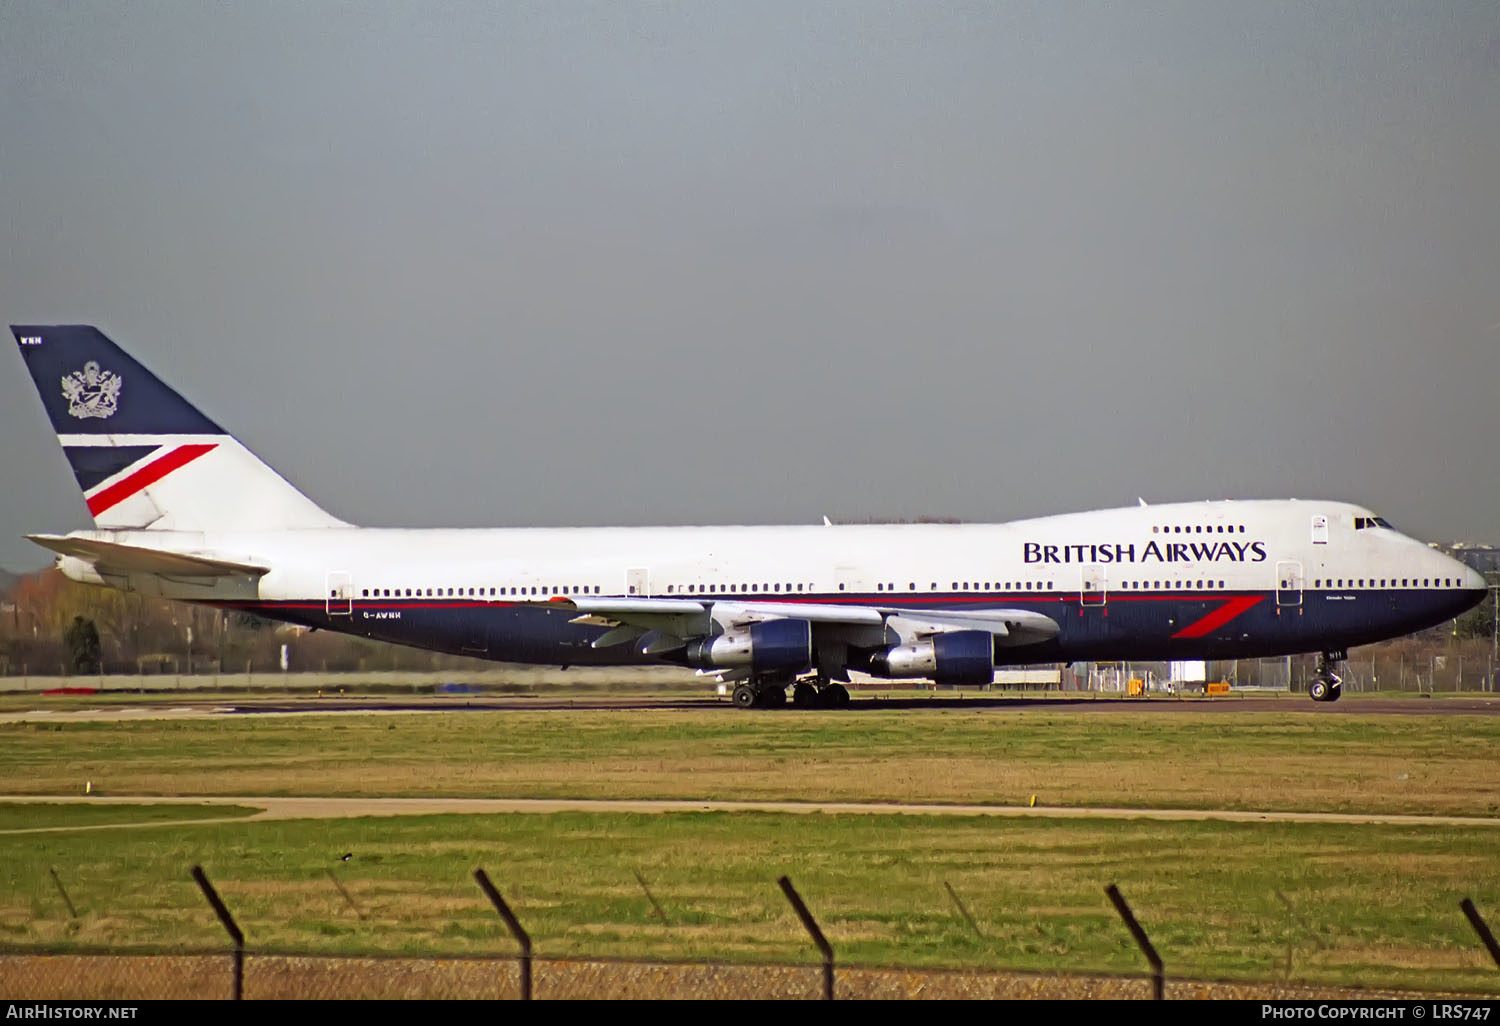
(1327, 686)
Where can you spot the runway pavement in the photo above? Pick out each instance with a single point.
(181, 708)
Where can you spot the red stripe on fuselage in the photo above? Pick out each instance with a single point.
(147, 476)
(1219, 617)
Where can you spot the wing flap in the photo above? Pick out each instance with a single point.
(630, 618)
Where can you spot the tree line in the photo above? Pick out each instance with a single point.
(50, 625)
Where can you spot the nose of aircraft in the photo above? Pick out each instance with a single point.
(1474, 580)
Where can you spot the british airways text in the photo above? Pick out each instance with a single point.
(1171, 552)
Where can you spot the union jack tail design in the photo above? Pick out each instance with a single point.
(145, 458)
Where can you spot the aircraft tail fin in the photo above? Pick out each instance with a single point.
(144, 457)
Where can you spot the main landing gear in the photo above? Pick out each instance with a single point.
(754, 694)
(807, 693)
(819, 693)
(1327, 686)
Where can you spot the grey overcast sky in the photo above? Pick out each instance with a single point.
(593, 263)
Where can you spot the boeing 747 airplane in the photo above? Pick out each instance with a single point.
(184, 511)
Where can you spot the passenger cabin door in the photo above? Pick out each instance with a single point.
(638, 581)
(1289, 583)
(1092, 624)
(1319, 529)
(1094, 588)
(340, 594)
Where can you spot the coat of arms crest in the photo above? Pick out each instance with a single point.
(91, 392)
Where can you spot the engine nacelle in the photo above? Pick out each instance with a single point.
(774, 646)
(956, 657)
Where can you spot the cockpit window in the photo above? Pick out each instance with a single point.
(1360, 523)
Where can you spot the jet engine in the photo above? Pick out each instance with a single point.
(954, 657)
(774, 646)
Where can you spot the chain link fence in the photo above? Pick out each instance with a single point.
(36, 975)
(253, 974)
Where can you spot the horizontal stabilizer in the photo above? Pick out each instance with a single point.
(112, 557)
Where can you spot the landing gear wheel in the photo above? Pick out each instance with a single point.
(1326, 685)
(745, 696)
(773, 696)
(804, 695)
(835, 696)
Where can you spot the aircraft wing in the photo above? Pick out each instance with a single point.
(1011, 627)
(114, 558)
(691, 618)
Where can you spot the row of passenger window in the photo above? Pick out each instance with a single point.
(740, 589)
(476, 592)
(1052, 585)
(730, 589)
(1200, 529)
(986, 586)
(1384, 582)
(683, 589)
(735, 589)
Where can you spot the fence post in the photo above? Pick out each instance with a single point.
(962, 910)
(345, 893)
(811, 926)
(522, 937)
(1158, 981)
(1482, 928)
(230, 926)
(1293, 914)
(651, 897)
(72, 912)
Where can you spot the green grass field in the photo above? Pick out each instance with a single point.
(1380, 902)
(1375, 905)
(37, 816)
(1120, 756)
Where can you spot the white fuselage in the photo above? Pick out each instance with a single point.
(1304, 555)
